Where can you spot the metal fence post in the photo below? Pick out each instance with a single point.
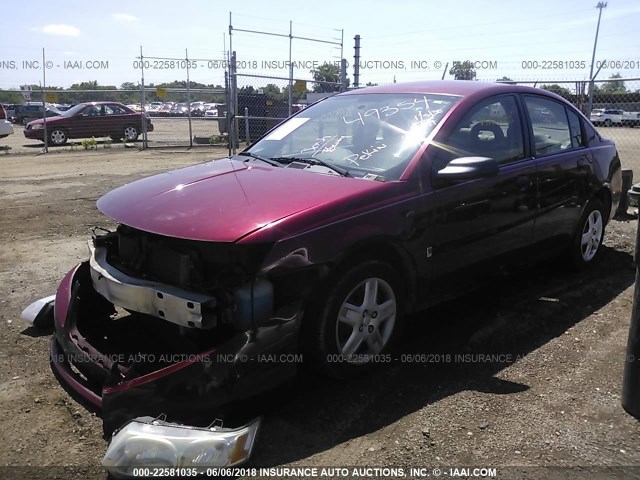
(290, 67)
(591, 88)
(186, 54)
(246, 125)
(590, 99)
(631, 376)
(227, 86)
(145, 142)
(44, 103)
(233, 124)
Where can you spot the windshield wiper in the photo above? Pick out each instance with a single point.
(315, 161)
(270, 161)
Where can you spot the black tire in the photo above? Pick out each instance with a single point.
(587, 241)
(58, 136)
(607, 122)
(325, 338)
(131, 133)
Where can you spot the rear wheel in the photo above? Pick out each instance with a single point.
(131, 133)
(357, 322)
(588, 239)
(58, 136)
(607, 122)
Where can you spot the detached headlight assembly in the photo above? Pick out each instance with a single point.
(149, 442)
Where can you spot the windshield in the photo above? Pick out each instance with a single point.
(376, 133)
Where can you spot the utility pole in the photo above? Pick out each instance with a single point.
(599, 6)
(356, 65)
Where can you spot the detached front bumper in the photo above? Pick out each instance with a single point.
(189, 390)
(193, 387)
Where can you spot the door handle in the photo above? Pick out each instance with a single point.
(583, 163)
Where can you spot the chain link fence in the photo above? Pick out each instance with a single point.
(185, 114)
(183, 117)
(260, 102)
(149, 117)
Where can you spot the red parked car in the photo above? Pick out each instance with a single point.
(318, 239)
(92, 119)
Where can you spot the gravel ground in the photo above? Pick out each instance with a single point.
(523, 373)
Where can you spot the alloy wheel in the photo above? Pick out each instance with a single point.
(366, 320)
(58, 137)
(130, 133)
(591, 235)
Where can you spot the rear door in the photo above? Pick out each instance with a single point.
(480, 220)
(116, 119)
(564, 164)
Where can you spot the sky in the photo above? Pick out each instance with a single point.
(544, 40)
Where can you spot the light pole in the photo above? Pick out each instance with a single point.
(599, 6)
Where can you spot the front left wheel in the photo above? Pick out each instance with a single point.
(357, 323)
(57, 136)
(131, 134)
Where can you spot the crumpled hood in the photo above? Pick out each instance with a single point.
(223, 200)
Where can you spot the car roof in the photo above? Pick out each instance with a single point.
(449, 87)
(105, 102)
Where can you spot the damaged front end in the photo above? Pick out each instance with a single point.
(161, 327)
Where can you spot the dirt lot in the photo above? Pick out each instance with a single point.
(523, 373)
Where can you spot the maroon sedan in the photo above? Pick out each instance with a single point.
(316, 241)
(93, 119)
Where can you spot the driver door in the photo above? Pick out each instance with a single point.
(478, 223)
(86, 121)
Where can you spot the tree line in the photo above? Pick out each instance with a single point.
(127, 93)
(328, 72)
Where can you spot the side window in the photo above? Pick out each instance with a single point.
(490, 129)
(92, 111)
(575, 128)
(550, 125)
(113, 110)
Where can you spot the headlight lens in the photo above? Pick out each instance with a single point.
(147, 442)
(37, 126)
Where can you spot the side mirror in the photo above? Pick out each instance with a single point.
(468, 168)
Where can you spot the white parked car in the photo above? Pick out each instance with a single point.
(6, 128)
(608, 116)
(211, 112)
(633, 120)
